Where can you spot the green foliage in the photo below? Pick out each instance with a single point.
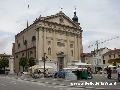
(23, 62)
(31, 61)
(4, 62)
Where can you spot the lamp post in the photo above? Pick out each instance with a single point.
(44, 58)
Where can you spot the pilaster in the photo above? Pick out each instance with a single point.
(75, 48)
(68, 48)
(44, 41)
(40, 44)
(54, 45)
(78, 37)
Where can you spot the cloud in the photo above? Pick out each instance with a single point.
(99, 19)
(5, 44)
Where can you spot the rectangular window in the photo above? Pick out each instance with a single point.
(114, 55)
(99, 53)
(60, 44)
(103, 61)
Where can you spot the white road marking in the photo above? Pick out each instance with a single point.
(89, 87)
(75, 88)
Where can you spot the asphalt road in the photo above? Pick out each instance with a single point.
(14, 84)
(25, 83)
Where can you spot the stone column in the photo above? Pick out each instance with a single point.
(11, 65)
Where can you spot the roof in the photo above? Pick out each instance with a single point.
(5, 55)
(49, 17)
(57, 15)
(115, 51)
(86, 54)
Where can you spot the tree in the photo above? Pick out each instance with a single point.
(1, 64)
(31, 61)
(23, 62)
(4, 62)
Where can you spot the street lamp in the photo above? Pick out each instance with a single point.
(44, 58)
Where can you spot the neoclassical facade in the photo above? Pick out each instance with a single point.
(57, 36)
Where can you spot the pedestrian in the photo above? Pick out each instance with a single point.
(107, 69)
(118, 71)
(109, 73)
(46, 72)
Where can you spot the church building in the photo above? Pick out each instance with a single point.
(57, 38)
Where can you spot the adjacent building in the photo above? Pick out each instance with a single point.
(6, 56)
(56, 37)
(111, 57)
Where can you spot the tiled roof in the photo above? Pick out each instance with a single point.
(86, 54)
(116, 51)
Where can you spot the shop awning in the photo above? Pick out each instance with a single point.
(114, 60)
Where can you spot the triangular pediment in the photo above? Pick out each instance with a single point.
(61, 18)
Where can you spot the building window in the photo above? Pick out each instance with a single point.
(33, 38)
(22, 54)
(103, 57)
(31, 52)
(86, 58)
(103, 61)
(114, 55)
(72, 53)
(71, 45)
(16, 56)
(99, 61)
(25, 42)
(49, 42)
(119, 55)
(99, 53)
(49, 51)
(59, 44)
(19, 45)
(109, 56)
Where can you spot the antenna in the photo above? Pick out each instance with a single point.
(27, 16)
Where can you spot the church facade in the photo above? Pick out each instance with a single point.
(56, 37)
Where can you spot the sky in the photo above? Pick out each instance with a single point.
(99, 19)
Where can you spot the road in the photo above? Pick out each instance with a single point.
(24, 83)
(14, 84)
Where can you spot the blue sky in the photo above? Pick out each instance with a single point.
(99, 19)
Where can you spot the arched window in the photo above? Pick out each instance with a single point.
(25, 42)
(22, 54)
(33, 38)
